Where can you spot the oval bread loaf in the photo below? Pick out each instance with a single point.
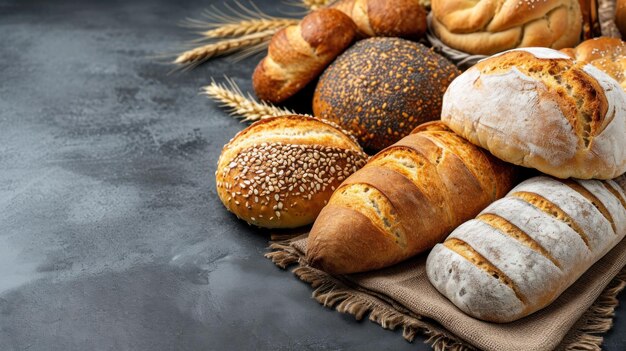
(385, 18)
(407, 198)
(539, 108)
(524, 250)
(299, 53)
(280, 172)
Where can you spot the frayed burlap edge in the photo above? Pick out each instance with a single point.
(332, 292)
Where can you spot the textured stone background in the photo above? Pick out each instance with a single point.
(111, 234)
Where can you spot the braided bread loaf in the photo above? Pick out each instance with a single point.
(487, 27)
(538, 108)
(299, 53)
(280, 172)
(385, 18)
(407, 198)
(524, 250)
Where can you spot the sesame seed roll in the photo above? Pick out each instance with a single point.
(280, 172)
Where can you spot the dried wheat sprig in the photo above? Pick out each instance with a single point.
(313, 5)
(200, 54)
(231, 97)
(245, 27)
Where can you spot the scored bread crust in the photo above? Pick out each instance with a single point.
(486, 27)
(406, 199)
(505, 269)
(280, 172)
(384, 18)
(538, 108)
(299, 53)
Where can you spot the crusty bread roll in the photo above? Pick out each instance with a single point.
(607, 54)
(407, 198)
(280, 172)
(385, 18)
(538, 108)
(487, 27)
(524, 250)
(382, 88)
(299, 53)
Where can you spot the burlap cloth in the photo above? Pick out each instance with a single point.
(402, 296)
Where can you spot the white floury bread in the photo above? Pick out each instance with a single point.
(538, 108)
(524, 250)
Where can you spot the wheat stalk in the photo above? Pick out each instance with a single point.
(206, 52)
(313, 5)
(239, 105)
(246, 27)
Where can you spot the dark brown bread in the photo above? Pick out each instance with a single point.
(299, 53)
(382, 88)
(406, 199)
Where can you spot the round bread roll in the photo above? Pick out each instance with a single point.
(607, 54)
(386, 18)
(382, 88)
(538, 108)
(486, 27)
(280, 172)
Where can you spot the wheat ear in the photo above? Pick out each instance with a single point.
(206, 52)
(313, 5)
(246, 27)
(242, 106)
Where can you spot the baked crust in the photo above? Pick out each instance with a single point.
(281, 171)
(538, 108)
(486, 27)
(299, 53)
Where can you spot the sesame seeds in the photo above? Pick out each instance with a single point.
(273, 177)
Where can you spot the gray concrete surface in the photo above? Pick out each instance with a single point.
(111, 234)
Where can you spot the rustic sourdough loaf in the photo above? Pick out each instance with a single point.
(538, 108)
(385, 18)
(524, 250)
(299, 53)
(281, 171)
(486, 27)
(382, 88)
(407, 198)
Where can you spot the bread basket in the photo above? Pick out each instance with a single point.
(606, 22)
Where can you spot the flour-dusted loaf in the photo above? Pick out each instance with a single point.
(281, 171)
(382, 88)
(524, 250)
(298, 54)
(538, 108)
(487, 27)
(407, 198)
(385, 18)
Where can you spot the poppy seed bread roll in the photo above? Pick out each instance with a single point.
(538, 108)
(280, 172)
(382, 88)
(524, 250)
(406, 199)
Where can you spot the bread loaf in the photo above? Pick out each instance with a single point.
(385, 18)
(607, 54)
(538, 108)
(281, 171)
(487, 27)
(524, 250)
(382, 88)
(299, 53)
(407, 198)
